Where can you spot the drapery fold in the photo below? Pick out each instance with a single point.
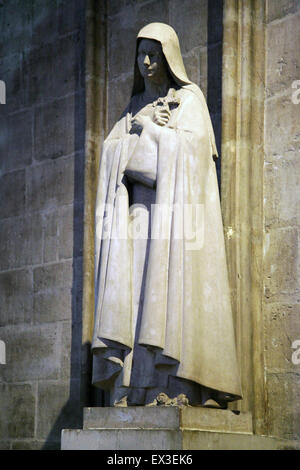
(186, 315)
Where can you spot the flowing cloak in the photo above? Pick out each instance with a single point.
(186, 314)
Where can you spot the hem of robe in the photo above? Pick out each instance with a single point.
(122, 344)
(106, 382)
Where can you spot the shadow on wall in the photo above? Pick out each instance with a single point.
(71, 414)
(214, 72)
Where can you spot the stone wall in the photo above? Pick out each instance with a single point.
(281, 218)
(41, 192)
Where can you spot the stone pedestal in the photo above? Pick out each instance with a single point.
(167, 428)
(164, 428)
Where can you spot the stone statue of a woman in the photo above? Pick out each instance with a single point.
(163, 320)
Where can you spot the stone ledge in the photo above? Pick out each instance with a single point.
(163, 417)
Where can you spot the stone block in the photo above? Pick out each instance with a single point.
(55, 129)
(130, 439)
(71, 15)
(44, 23)
(53, 276)
(29, 444)
(63, 233)
(58, 292)
(214, 21)
(16, 301)
(186, 16)
(51, 185)
(10, 73)
(277, 10)
(281, 206)
(167, 418)
(195, 440)
(20, 242)
(71, 232)
(283, 61)
(71, 350)
(121, 51)
(32, 351)
(283, 391)
(4, 445)
(12, 200)
(58, 408)
(118, 98)
(215, 420)
(281, 263)
(15, 26)
(16, 141)
(282, 128)
(135, 417)
(151, 12)
(17, 410)
(114, 7)
(282, 328)
(192, 65)
(52, 70)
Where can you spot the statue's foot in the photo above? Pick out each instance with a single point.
(210, 403)
(121, 403)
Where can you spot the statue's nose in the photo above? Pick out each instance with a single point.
(146, 60)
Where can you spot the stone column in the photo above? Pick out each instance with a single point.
(242, 188)
(96, 129)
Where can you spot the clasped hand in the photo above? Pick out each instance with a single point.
(161, 117)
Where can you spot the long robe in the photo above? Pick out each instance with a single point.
(186, 316)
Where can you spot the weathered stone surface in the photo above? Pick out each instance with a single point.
(130, 439)
(278, 9)
(12, 201)
(58, 407)
(5, 445)
(58, 292)
(10, 72)
(52, 70)
(16, 141)
(282, 328)
(115, 6)
(118, 98)
(56, 130)
(17, 410)
(280, 263)
(20, 241)
(44, 22)
(192, 65)
(70, 227)
(284, 413)
(32, 351)
(151, 12)
(16, 288)
(71, 350)
(53, 276)
(51, 184)
(15, 26)
(162, 417)
(135, 417)
(282, 127)
(281, 207)
(122, 61)
(186, 16)
(282, 62)
(70, 15)
(195, 440)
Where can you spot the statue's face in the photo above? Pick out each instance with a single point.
(151, 61)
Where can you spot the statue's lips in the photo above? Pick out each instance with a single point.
(148, 71)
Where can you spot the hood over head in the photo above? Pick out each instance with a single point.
(168, 39)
